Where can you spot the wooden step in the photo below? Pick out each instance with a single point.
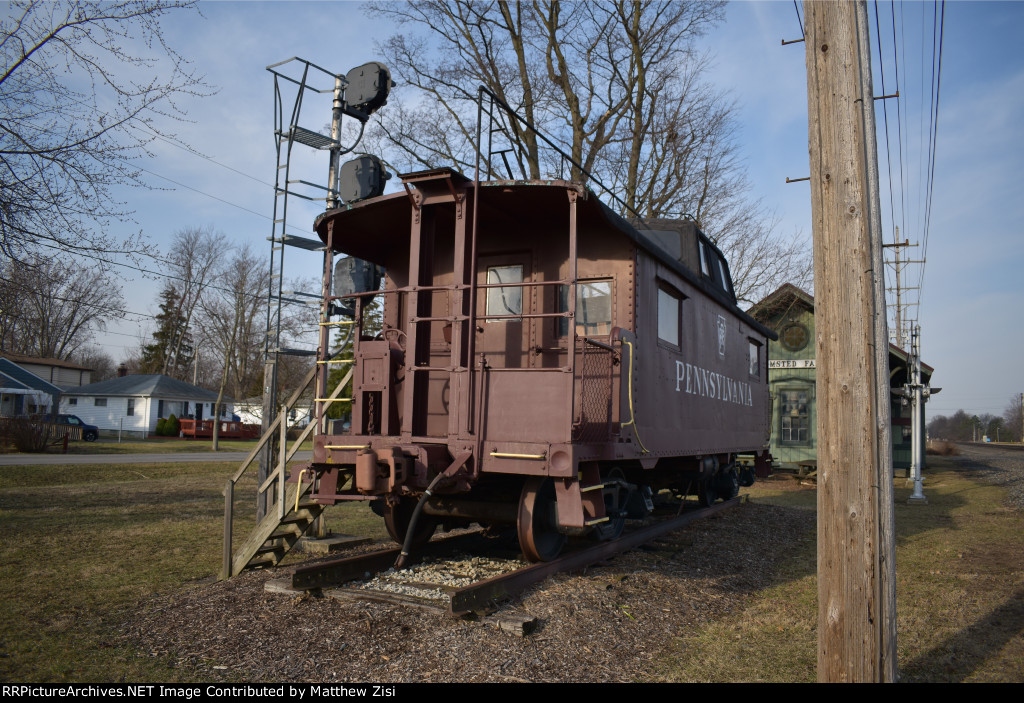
(300, 516)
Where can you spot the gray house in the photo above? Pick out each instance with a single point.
(134, 403)
(23, 392)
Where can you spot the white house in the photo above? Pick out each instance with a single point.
(250, 411)
(134, 403)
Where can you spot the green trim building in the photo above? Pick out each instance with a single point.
(792, 379)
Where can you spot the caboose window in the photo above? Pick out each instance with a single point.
(593, 308)
(755, 359)
(504, 300)
(704, 268)
(723, 270)
(670, 306)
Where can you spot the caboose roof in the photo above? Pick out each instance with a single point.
(376, 229)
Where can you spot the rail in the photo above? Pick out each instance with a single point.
(480, 597)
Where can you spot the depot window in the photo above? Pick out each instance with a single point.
(504, 300)
(795, 416)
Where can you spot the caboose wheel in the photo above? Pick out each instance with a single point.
(396, 520)
(724, 485)
(615, 497)
(728, 484)
(706, 493)
(537, 521)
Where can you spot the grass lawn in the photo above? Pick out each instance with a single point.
(160, 445)
(84, 544)
(960, 592)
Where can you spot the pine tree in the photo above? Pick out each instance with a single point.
(160, 357)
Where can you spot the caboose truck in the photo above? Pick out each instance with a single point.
(543, 363)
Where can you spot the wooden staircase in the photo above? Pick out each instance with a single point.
(275, 536)
(290, 511)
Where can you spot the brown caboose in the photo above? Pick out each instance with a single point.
(543, 362)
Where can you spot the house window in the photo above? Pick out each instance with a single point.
(504, 301)
(131, 406)
(72, 401)
(670, 305)
(100, 402)
(593, 308)
(795, 417)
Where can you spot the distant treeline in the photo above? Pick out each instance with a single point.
(964, 427)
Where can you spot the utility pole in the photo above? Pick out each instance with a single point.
(902, 318)
(917, 393)
(856, 548)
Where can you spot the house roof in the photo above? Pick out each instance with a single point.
(26, 359)
(26, 379)
(147, 385)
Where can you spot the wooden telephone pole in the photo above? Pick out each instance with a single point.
(856, 550)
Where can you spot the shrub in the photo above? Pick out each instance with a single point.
(26, 434)
(161, 427)
(173, 427)
(941, 448)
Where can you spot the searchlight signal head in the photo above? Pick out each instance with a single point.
(362, 178)
(368, 88)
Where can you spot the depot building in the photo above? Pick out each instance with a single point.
(792, 380)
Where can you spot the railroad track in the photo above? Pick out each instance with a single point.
(473, 585)
(1013, 446)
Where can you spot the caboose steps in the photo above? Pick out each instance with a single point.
(275, 536)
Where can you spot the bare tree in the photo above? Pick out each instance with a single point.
(85, 85)
(619, 84)
(195, 259)
(51, 308)
(1014, 417)
(231, 319)
(98, 361)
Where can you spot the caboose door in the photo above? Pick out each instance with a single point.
(502, 333)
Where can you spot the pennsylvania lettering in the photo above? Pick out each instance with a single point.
(711, 384)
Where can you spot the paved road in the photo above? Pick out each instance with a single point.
(173, 458)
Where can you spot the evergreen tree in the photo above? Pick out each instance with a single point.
(173, 328)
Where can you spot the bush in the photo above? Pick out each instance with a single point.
(941, 448)
(161, 427)
(26, 434)
(173, 427)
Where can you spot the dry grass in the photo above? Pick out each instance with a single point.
(960, 594)
(85, 545)
(153, 445)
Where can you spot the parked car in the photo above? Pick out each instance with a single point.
(90, 433)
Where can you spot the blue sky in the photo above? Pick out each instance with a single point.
(974, 279)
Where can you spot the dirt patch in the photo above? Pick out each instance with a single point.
(611, 623)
